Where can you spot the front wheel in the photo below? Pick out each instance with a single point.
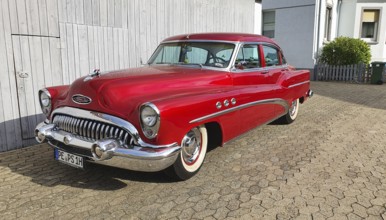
(291, 114)
(193, 150)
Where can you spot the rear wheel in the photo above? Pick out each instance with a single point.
(291, 114)
(193, 150)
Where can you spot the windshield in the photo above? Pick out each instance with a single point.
(211, 54)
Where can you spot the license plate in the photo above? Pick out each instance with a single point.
(69, 159)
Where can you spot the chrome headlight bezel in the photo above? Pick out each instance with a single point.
(45, 101)
(151, 126)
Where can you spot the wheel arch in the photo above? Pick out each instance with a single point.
(301, 100)
(215, 135)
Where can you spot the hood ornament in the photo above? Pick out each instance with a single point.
(95, 73)
(81, 99)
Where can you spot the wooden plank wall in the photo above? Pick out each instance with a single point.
(104, 34)
(115, 34)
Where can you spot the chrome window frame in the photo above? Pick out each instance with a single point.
(241, 44)
(225, 69)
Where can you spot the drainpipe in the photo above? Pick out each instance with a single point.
(318, 31)
(338, 17)
(316, 55)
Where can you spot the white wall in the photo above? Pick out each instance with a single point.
(350, 24)
(270, 4)
(347, 18)
(320, 23)
(258, 18)
(378, 49)
(294, 30)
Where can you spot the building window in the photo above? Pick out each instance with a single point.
(269, 24)
(370, 24)
(327, 27)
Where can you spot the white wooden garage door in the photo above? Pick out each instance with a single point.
(37, 65)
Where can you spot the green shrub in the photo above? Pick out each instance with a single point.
(346, 51)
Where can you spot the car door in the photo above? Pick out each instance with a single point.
(255, 87)
(273, 62)
(276, 66)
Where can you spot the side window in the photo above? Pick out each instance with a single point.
(248, 57)
(271, 56)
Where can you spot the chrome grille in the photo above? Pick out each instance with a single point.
(91, 129)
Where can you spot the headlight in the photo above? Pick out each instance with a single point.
(149, 116)
(150, 120)
(45, 101)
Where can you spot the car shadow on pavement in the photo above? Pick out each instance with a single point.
(36, 164)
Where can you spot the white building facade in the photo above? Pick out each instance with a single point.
(303, 27)
(365, 19)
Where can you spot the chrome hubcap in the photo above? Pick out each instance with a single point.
(293, 108)
(191, 146)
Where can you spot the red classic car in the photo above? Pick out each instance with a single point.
(196, 90)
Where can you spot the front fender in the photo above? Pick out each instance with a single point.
(178, 115)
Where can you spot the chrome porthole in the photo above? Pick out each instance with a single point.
(218, 105)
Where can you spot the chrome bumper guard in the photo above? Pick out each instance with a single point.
(112, 152)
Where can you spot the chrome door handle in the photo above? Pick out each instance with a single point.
(265, 72)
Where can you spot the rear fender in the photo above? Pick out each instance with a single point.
(295, 84)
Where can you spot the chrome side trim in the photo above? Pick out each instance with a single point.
(298, 84)
(277, 101)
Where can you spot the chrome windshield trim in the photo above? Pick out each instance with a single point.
(223, 69)
(100, 117)
(195, 66)
(278, 101)
(298, 84)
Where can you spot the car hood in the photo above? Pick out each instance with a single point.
(122, 92)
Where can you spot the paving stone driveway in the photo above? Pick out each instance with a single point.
(330, 163)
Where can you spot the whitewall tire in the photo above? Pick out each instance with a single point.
(193, 150)
(291, 114)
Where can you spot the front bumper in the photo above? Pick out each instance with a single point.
(138, 156)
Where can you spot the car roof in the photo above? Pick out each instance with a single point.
(234, 37)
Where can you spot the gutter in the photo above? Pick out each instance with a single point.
(318, 32)
(338, 17)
